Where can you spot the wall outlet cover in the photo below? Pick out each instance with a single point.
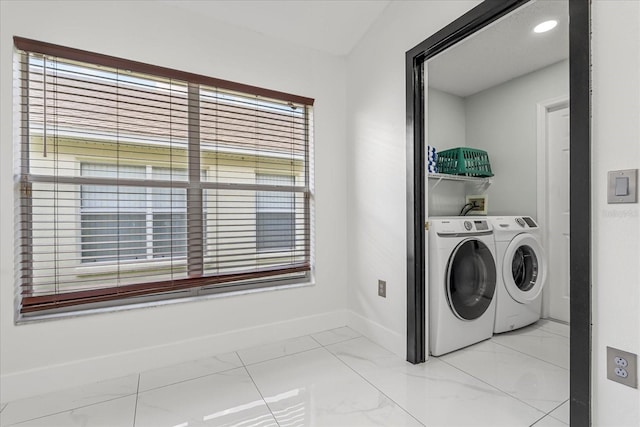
(382, 288)
(622, 367)
(482, 202)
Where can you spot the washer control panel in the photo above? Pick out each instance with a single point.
(481, 225)
(457, 226)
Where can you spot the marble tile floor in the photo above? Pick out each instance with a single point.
(332, 378)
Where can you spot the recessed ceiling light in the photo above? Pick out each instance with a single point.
(545, 26)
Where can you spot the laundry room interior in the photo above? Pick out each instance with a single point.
(504, 96)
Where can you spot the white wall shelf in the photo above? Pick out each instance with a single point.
(482, 182)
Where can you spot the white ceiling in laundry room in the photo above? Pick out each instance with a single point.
(505, 50)
(327, 25)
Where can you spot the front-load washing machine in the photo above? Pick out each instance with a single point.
(462, 282)
(522, 267)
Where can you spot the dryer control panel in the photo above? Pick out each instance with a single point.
(514, 223)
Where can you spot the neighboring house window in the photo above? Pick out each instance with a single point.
(168, 215)
(113, 223)
(134, 224)
(275, 215)
(140, 183)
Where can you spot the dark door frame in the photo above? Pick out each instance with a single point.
(580, 187)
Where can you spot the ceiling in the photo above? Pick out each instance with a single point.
(507, 49)
(331, 26)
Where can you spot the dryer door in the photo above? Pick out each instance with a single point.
(524, 268)
(471, 279)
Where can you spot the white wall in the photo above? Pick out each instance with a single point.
(376, 175)
(446, 119)
(446, 129)
(616, 228)
(45, 356)
(502, 121)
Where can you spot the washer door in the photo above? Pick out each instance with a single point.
(471, 279)
(524, 269)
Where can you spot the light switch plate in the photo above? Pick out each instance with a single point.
(621, 182)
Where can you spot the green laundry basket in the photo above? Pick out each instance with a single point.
(464, 161)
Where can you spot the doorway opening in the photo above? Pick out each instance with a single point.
(579, 181)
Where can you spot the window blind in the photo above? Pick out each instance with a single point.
(138, 181)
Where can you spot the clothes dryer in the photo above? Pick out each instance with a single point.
(522, 268)
(462, 282)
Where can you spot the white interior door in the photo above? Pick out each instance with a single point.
(558, 213)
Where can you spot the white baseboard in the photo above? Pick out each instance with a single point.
(385, 337)
(52, 378)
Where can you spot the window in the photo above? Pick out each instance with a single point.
(275, 215)
(140, 183)
(112, 223)
(133, 223)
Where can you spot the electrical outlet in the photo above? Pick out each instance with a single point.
(382, 288)
(479, 204)
(620, 361)
(622, 367)
(621, 372)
